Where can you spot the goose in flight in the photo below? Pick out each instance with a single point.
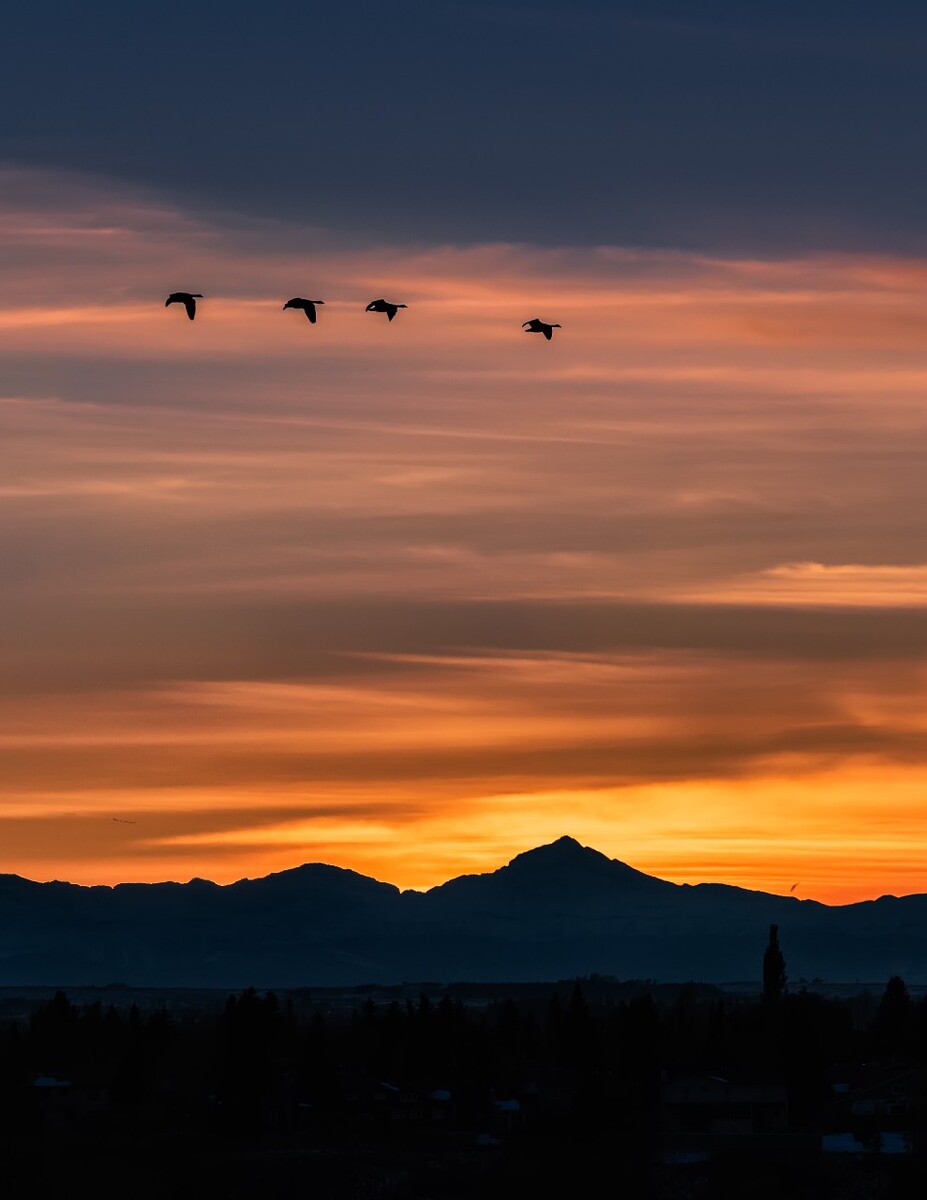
(384, 306)
(187, 299)
(538, 326)
(308, 307)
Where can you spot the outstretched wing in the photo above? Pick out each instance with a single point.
(391, 311)
(309, 308)
(548, 332)
(190, 306)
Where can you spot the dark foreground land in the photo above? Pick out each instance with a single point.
(551, 1090)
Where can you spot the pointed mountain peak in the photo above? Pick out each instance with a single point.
(564, 851)
(567, 859)
(560, 875)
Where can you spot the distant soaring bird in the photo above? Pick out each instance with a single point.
(187, 299)
(308, 306)
(384, 306)
(793, 887)
(538, 326)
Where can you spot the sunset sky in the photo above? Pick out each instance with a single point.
(411, 598)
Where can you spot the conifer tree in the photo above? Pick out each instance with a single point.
(774, 976)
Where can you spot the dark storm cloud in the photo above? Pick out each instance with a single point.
(685, 124)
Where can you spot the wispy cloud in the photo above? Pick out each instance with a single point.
(369, 577)
(834, 584)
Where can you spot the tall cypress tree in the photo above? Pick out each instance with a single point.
(774, 976)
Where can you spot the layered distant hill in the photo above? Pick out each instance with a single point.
(555, 912)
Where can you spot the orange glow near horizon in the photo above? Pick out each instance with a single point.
(724, 847)
(414, 598)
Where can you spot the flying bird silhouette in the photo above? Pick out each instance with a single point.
(308, 306)
(123, 821)
(384, 306)
(539, 326)
(793, 887)
(187, 299)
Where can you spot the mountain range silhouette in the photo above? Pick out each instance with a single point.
(557, 911)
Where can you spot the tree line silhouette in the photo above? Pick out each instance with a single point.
(539, 1093)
